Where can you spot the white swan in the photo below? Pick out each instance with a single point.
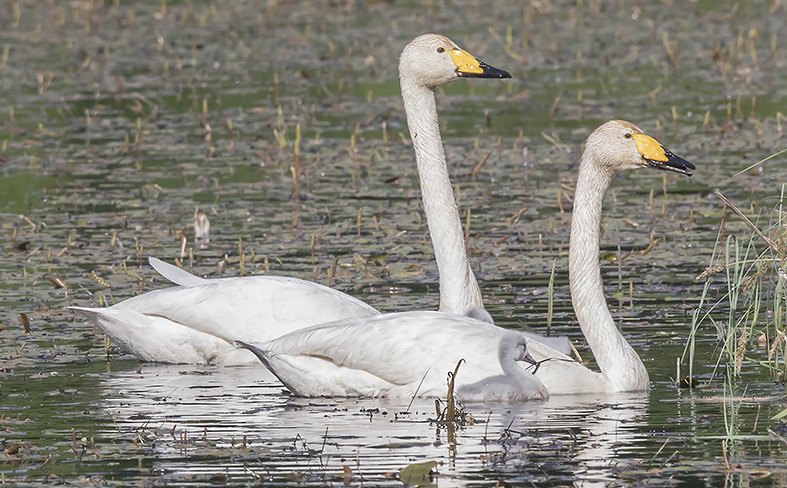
(410, 352)
(426, 62)
(198, 321)
(515, 385)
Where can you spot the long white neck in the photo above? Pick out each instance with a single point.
(508, 353)
(459, 290)
(619, 363)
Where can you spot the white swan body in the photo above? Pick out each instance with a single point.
(426, 62)
(199, 323)
(397, 354)
(388, 354)
(516, 385)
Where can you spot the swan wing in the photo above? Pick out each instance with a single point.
(228, 309)
(175, 274)
(249, 309)
(406, 353)
(155, 338)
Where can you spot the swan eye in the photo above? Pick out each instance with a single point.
(441, 50)
(628, 135)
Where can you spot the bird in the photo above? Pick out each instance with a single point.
(408, 353)
(199, 320)
(515, 385)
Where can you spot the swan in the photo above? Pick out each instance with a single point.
(428, 61)
(409, 353)
(198, 321)
(516, 385)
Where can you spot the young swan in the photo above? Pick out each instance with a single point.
(516, 384)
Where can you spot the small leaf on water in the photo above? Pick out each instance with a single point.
(25, 322)
(58, 281)
(218, 479)
(419, 474)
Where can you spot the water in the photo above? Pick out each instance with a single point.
(120, 122)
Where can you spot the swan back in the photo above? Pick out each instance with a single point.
(397, 354)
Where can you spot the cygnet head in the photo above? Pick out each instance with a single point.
(619, 145)
(514, 345)
(431, 60)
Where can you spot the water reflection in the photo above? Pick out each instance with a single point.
(250, 427)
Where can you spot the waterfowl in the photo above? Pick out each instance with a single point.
(409, 353)
(515, 385)
(198, 321)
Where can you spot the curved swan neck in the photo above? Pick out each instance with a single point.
(618, 361)
(508, 354)
(459, 289)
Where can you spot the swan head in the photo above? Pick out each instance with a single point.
(431, 60)
(619, 145)
(514, 345)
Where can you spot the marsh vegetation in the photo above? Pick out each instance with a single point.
(281, 124)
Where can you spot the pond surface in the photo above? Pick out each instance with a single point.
(119, 123)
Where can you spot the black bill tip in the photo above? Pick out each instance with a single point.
(673, 163)
(487, 72)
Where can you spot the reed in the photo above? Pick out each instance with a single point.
(753, 303)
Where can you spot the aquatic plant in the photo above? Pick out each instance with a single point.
(753, 334)
(754, 277)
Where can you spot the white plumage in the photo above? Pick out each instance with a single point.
(410, 353)
(515, 385)
(198, 322)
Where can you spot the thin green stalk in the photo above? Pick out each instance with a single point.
(551, 298)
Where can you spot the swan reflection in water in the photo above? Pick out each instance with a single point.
(219, 409)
